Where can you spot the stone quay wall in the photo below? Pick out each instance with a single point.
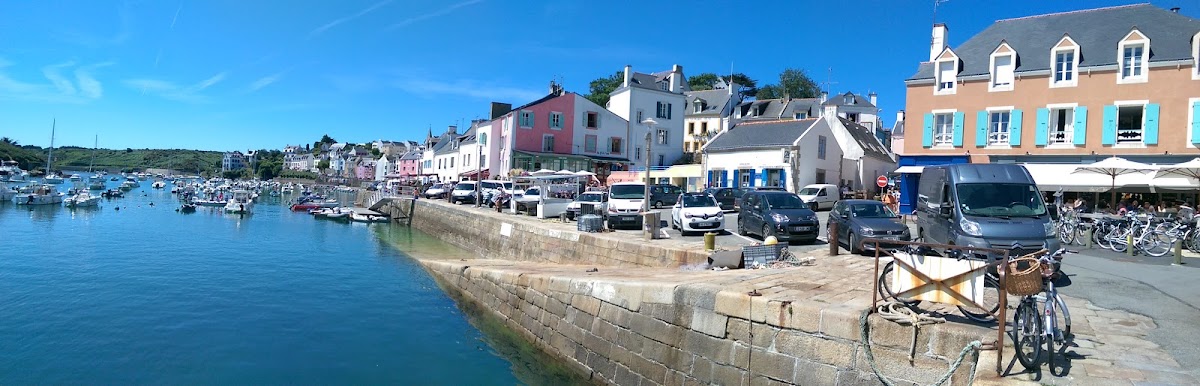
(521, 238)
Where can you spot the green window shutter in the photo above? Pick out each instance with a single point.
(1108, 136)
(1014, 128)
(1196, 123)
(927, 132)
(1043, 123)
(958, 128)
(981, 129)
(1150, 130)
(1080, 125)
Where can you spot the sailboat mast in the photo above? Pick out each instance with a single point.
(50, 157)
(92, 164)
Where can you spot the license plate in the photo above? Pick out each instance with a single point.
(802, 229)
(702, 224)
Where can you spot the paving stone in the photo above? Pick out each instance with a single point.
(1112, 372)
(709, 322)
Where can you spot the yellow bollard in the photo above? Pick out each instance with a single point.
(1129, 244)
(1178, 252)
(710, 241)
(1088, 237)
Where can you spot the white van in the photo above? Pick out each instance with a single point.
(625, 201)
(819, 196)
(463, 192)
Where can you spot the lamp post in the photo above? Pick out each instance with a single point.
(478, 171)
(651, 124)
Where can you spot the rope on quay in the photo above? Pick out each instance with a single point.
(899, 313)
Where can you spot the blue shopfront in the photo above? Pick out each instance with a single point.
(747, 177)
(910, 168)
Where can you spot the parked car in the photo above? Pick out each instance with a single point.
(598, 199)
(740, 192)
(983, 205)
(697, 212)
(625, 200)
(463, 192)
(859, 219)
(438, 190)
(819, 196)
(779, 214)
(663, 195)
(528, 200)
(725, 197)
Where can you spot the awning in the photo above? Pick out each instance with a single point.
(909, 170)
(1052, 177)
(486, 173)
(678, 171)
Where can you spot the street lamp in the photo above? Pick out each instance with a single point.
(651, 123)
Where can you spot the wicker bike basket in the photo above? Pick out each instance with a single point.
(1024, 276)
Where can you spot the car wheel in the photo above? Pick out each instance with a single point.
(658, 204)
(766, 231)
(854, 248)
(741, 228)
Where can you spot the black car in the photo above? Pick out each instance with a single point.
(740, 192)
(779, 214)
(859, 219)
(725, 196)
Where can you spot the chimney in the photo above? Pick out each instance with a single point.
(824, 96)
(899, 116)
(873, 98)
(676, 78)
(1175, 9)
(938, 43)
(628, 75)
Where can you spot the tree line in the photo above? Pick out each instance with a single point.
(793, 83)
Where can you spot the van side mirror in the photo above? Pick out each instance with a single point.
(945, 210)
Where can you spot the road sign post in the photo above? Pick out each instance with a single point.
(882, 181)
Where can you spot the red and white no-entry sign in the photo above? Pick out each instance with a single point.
(882, 181)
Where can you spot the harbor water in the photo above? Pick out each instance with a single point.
(145, 294)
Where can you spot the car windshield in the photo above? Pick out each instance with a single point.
(871, 211)
(628, 192)
(589, 198)
(1000, 200)
(508, 185)
(489, 185)
(809, 191)
(784, 201)
(464, 186)
(436, 186)
(697, 201)
(532, 192)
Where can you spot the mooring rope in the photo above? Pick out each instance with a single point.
(896, 312)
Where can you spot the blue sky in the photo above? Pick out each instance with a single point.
(225, 74)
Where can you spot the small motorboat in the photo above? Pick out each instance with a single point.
(338, 215)
(82, 199)
(187, 208)
(113, 193)
(368, 218)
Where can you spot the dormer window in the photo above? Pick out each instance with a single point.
(664, 86)
(1133, 53)
(946, 73)
(1003, 64)
(848, 100)
(1064, 59)
(698, 105)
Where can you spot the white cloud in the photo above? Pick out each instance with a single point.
(58, 89)
(336, 22)
(468, 88)
(171, 91)
(210, 81)
(440, 12)
(88, 85)
(61, 82)
(264, 82)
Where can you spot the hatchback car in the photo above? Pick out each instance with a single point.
(779, 214)
(438, 190)
(859, 219)
(697, 212)
(599, 201)
(738, 193)
(725, 196)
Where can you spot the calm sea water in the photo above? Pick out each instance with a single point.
(149, 295)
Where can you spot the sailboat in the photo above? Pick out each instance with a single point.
(51, 177)
(96, 181)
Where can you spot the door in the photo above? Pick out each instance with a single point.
(824, 197)
(751, 216)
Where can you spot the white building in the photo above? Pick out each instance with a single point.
(709, 112)
(659, 96)
(383, 167)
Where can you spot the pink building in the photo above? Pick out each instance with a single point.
(409, 165)
(562, 130)
(365, 170)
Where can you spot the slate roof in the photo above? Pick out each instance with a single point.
(411, 155)
(442, 142)
(809, 105)
(1097, 31)
(866, 139)
(856, 100)
(766, 109)
(714, 101)
(773, 134)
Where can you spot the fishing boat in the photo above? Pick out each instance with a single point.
(44, 194)
(159, 184)
(113, 193)
(240, 203)
(6, 192)
(10, 171)
(96, 182)
(114, 178)
(338, 214)
(129, 184)
(81, 199)
(187, 207)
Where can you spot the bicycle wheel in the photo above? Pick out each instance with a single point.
(1158, 244)
(991, 302)
(1066, 316)
(1066, 233)
(1100, 236)
(885, 286)
(1117, 238)
(1027, 333)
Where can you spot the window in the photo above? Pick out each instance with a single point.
(525, 119)
(661, 160)
(820, 177)
(637, 153)
(1131, 61)
(483, 139)
(589, 143)
(1002, 72)
(556, 120)
(614, 145)
(663, 139)
(451, 162)
(848, 100)
(1129, 123)
(947, 74)
(1133, 53)
(852, 117)
(801, 115)
(698, 105)
(1196, 56)
(943, 129)
(664, 86)
(641, 115)
(691, 128)
(1062, 124)
(547, 143)
(704, 128)
(592, 120)
(664, 110)
(1064, 67)
(998, 125)
(821, 143)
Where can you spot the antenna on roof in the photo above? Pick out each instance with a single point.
(829, 81)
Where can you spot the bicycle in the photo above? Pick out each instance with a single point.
(1034, 327)
(991, 283)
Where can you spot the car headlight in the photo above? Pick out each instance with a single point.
(1049, 227)
(779, 218)
(868, 232)
(612, 209)
(720, 215)
(969, 227)
(688, 215)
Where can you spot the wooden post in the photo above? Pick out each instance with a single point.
(1178, 252)
(833, 239)
(412, 205)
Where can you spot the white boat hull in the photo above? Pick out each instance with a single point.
(38, 199)
(82, 202)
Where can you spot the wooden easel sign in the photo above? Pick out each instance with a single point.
(938, 279)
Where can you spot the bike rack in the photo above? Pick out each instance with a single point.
(946, 284)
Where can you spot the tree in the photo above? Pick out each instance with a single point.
(769, 91)
(706, 80)
(601, 87)
(702, 81)
(323, 165)
(9, 141)
(749, 86)
(327, 139)
(796, 84)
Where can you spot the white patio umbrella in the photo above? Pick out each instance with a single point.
(587, 173)
(1189, 169)
(564, 172)
(542, 172)
(1113, 167)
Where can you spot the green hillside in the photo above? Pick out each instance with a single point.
(77, 158)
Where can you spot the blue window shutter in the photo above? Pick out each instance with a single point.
(783, 178)
(1108, 136)
(1080, 125)
(764, 177)
(1014, 127)
(1043, 127)
(981, 129)
(751, 178)
(737, 180)
(1196, 123)
(1150, 131)
(725, 179)
(927, 133)
(958, 128)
